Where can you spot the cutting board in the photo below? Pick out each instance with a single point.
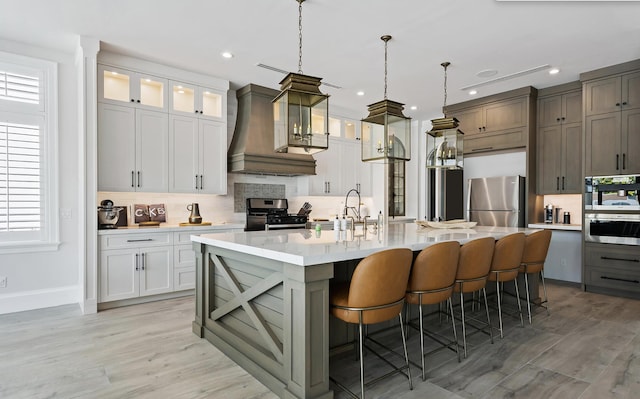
(195, 224)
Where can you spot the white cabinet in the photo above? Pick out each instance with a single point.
(133, 150)
(137, 89)
(339, 169)
(133, 265)
(198, 155)
(192, 100)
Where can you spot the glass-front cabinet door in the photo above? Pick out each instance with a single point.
(140, 90)
(188, 99)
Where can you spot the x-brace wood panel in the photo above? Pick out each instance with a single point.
(242, 298)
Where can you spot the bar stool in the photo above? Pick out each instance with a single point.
(374, 295)
(431, 282)
(473, 268)
(505, 265)
(536, 247)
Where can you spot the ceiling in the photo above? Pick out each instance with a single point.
(341, 41)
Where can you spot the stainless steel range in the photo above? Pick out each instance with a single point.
(271, 214)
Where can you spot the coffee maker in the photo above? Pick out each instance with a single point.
(548, 213)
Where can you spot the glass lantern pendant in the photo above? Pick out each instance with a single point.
(445, 141)
(386, 132)
(301, 111)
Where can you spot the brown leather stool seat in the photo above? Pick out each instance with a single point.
(431, 281)
(536, 246)
(505, 266)
(473, 268)
(375, 294)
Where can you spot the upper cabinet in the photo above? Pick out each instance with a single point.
(497, 122)
(164, 131)
(617, 93)
(122, 86)
(339, 169)
(612, 120)
(559, 139)
(189, 99)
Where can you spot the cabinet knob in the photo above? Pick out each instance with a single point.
(484, 128)
(196, 111)
(133, 101)
(138, 101)
(563, 118)
(200, 111)
(557, 119)
(617, 104)
(480, 129)
(624, 103)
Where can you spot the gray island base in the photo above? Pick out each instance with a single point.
(262, 298)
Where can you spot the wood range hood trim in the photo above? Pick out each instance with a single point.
(252, 147)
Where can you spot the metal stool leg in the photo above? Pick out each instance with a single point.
(499, 307)
(464, 331)
(518, 299)
(526, 285)
(544, 288)
(486, 306)
(421, 340)
(453, 325)
(361, 336)
(406, 355)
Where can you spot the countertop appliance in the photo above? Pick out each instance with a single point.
(108, 215)
(271, 214)
(496, 201)
(612, 193)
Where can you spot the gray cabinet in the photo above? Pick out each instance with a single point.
(612, 120)
(559, 143)
(612, 269)
(497, 122)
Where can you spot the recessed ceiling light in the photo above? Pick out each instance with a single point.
(227, 54)
(473, 92)
(360, 93)
(487, 73)
(553, 71)
(413, 108)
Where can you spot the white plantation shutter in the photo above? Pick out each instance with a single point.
(28, 161)
(20, 177)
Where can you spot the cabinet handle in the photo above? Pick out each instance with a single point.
(622, 259)
(624, 156)
(196, 111)
(138, 178)
(557, 183)
(133, 177)
(141, 240)
(617, 104)
(138, 101)
(563, 183)
(619, 279)
(557, 119)
(143, 262)
(617, 161)
(137, 263)
(133, 101)
(201, 112)
(480, 149)
(484, 128)
(624, 103)
(328, 187)
(480, 129)
(563, 118)
(201, 185)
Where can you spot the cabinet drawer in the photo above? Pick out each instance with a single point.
(609, 256)
(184, 278)
(184, 237)
(495, 141)
(613, 278)
(121, 241)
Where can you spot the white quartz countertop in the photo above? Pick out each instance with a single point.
(556, 226)
(309, 247)
(168, 227)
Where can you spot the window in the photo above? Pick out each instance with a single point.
(396, 188)
(28, 144)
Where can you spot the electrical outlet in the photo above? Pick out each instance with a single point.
(3, 282)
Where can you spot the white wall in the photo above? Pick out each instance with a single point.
(43, 279)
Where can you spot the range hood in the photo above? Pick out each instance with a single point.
(252, 149)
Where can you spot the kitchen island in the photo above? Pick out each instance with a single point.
(262, 297)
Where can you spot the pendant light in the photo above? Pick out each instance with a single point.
(386, 132)
(301, 111)
(445, 140)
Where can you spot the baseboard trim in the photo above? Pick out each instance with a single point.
(144, 299)
(39, 299)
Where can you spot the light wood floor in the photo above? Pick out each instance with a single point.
(588, 348)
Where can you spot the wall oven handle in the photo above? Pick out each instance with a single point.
(620, 279)
(621, 259)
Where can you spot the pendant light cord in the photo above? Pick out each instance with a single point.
(445, 65)
(300, 36)
(385, 39)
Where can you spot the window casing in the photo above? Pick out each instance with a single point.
(28, 148)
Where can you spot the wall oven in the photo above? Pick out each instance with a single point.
(612, 228)
(612, 193)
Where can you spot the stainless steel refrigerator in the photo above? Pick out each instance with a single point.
(496, 201)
